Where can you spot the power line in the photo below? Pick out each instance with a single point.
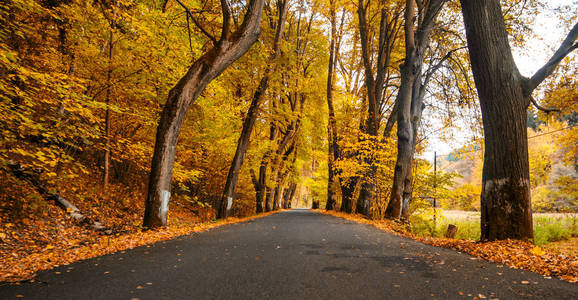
(535, 136)
(554, 131)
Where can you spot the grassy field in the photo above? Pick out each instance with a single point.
(549, 228)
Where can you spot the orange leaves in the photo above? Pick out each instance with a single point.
(513, 253)
(14, 267)
(537, 251)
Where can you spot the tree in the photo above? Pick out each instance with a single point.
(224, 52)
(332, 133)
(251, 117)
(410, 98)
(376, 78)
(504, 99)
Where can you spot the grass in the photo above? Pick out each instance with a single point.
(548, 228)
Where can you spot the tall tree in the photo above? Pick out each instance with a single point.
(252, 113)
(419, 18)
(374, 86)
(332, 133)
(107, 117)
(504, 99)
(229, 47)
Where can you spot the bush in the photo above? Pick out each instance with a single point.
(552, 229)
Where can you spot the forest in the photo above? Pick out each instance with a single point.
(129, 119)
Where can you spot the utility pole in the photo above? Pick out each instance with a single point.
(434, 190)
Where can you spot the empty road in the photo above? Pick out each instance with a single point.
(297, 254)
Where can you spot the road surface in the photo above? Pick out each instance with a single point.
(296, 254)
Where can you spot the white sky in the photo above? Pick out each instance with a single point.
(530, 59)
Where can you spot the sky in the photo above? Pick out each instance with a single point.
(529, 59)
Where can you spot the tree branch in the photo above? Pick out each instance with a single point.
(544, 109)
(196, 22)
(227, 17)
(565, 48)
(434, 69)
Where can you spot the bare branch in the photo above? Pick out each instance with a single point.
(435, 67)
(189, 32)
(544, 109)
(565, 48)
(196, 22)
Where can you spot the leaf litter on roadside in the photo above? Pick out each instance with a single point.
(513, 253)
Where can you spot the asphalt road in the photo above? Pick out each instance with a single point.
(297, 254)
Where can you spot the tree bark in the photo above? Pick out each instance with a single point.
(251, 117)
(270, 193)
(347, 192)
(260, 188)
(186, 91)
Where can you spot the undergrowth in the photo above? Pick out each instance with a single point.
(547, 229)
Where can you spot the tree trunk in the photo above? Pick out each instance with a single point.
(106, 173)
(277, 197)
(404, 143)
(242, 145)
(347, 192)
(251, 117)
(410, 102)
(505, 200)
(269, 198)
(372, 98)
(366, 193)
(504, 98)
(332, 137)
(180, 98)
(289, 195)
(260, 196)
(259, 184)
(331, 178)
(417, 107)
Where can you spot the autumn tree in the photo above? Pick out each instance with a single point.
(419, 19)
(377, 74)
(229, 47)
(504, 97)
(332, 130)
(249, 121)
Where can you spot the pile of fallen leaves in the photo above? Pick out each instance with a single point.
(35, 234)
(513, 253)
(16, 265)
